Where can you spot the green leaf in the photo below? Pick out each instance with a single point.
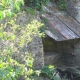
(8, 13)
(1, 15)
(1, 65)
(2, 58)
(8, 59)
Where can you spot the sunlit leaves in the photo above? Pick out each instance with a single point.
(9, 7)
(30, 72)
(34, 27)
(2, 34)
(5, 13)
(1, 65)
(7, 36)
(2, 15)
(38, 72)
(8, 13)
(10, 36)
(13, 38)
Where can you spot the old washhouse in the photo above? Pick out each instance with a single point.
(62, 44)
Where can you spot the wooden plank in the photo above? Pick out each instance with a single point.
(51, 32)
(67, 20)
(55, 35)
(64, 30)
(60, 27)
(70, 22)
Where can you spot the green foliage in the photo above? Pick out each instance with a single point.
(30, 11)
(49, 71)
(36, 3)
(13, 38)
(14, 43)
(8, 7)
(62, 4)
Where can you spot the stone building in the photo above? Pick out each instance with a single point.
(62, 44)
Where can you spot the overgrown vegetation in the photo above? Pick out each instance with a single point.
(37, 4)
(50, 72)
(13, 38)
(61, 4)
(14, 63)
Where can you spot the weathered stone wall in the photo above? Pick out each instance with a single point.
(73, 8)
(77, 54)
(63, 53)
(35, 47)
(50, 45)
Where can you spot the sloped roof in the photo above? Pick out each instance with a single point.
(61, 26)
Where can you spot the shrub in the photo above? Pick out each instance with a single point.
(36, 3)
(61, 4)
(49, 71)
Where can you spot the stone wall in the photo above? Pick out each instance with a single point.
(77, 54)
(62, 53)
(73, 8)
(35, 47)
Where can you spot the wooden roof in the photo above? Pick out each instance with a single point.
(61, 26)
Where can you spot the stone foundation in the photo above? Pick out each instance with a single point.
(36, 48)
